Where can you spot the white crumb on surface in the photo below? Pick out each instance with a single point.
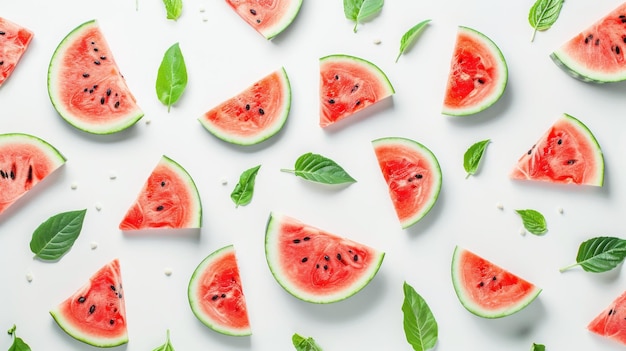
(560, 210)
(224, 181)
(74, 186)
(499, 206)
(148, 120)
(112, 175)
(29, 277)
(98, 206)
(205, 19)
(168, 271)
(201, 9)
(93, 245)
(377, 41)
(522, 232)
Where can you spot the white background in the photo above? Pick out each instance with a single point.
(224, 55)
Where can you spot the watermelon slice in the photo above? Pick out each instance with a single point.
(14, 40)
(314, 265)
(216, 295)
(268, 17)
(255, 114)
(168, 199)
(412, 174)
(566, 153)
(478, 74)
(85, 84)
(96, 314)
(611, 322)
(25, 160)
(486, 289)
(349, 84)
(597, 53)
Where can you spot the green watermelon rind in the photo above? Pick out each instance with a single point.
(51, 151)
(194, 304)
(476, 310)
(271, 233)
(370, 66)
(571, 67)
(504, 72)
(197, 204)
(287, 19)
(434, 166)
(592, 140)
(268, 132)
(123, 124)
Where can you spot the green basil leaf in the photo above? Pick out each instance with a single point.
(167, 346)
(18, 343)
(54, 237)
(361, 10)
(473, 155)
(533, 221)
(320, 169)
(599, 254)
(172, 77)
(174, 8)
(538, 347)
(420, 326)
(304, 344)
(409, 37)
(242, 194)
(543, 14)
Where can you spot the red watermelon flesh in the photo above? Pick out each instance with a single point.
(611, 323)
(168, 199)
(14, 40)
(25, 160)
(596, 54)
(567, 153)
(486, 289)
(349, 84)
(268, 17)
(216, 295)
(96, 313)
(315, 265)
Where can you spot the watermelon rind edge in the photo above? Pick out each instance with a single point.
(51, 150)
(593, 140)
(434, 163)
(497, 53)
(383, 78)
(195, 308)
(270, 231)
(289, 17)
(183, 172)
(458, 289)
(118, 127)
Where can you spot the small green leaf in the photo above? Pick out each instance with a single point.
(54, 237)
(167, 346)
(304, 344)
(242, 194)
(473, 155)
(543, 14)
(599, 254)
(420, 326)
(172, 76)
(538, 347)
(361, 10)
(320, 169)
(18, 343)
(533, 221)
(174, 8)
(409, 37)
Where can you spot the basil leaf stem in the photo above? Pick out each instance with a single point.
(167, 346)
(18, 344)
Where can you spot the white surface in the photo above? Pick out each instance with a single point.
(224, 56)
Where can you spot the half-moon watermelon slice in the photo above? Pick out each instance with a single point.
(255, 114)
(168, 199)
(597, 53)
(349, 84)
(566, 153)
(14, 40)
(478, 74)
(96, 313)
(611, 322)
(216, 295)
(25, 160)
(412, 174)
(268, 17)
(85, 84)
(315, 265)
(488, 290)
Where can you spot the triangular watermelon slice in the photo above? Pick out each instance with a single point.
(269, 18)
(14, 40)
(611, 322)
(168, 199)
(25, 160)
(96, 313)
(486, 289)
(566, 153)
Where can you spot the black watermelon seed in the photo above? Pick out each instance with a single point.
(162, 183)
(2, 32)
(92, 309)
(481, 81)
(90, 91)
(247, 107)
(160, 208)
(617, 50)
(304, 259)
(85, 75)
(215, 297)
(258, 21)
(358, 102)
(103, 57)
(113, 287)
(253, 12)
(109, 92)
(101, 101)
(96, 62)
(111, 322)
(119, 295)
(494, 278)
(355, 258)
(317, 266)
(326, 257)
(336, 77)
(597, 42)
(419, 176)
(610, 311)
(306, 238)
(81, 299)
(481, 284)
(354, 88)
(325, 267)
(571, 162)
(560, 142)
(339, 256)
(296, 241)
(223, 296)
(117, 104)
(261, 112)
(1, 63)
(331, 101)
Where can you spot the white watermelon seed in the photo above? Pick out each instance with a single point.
(168, 271)
(29, 277)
